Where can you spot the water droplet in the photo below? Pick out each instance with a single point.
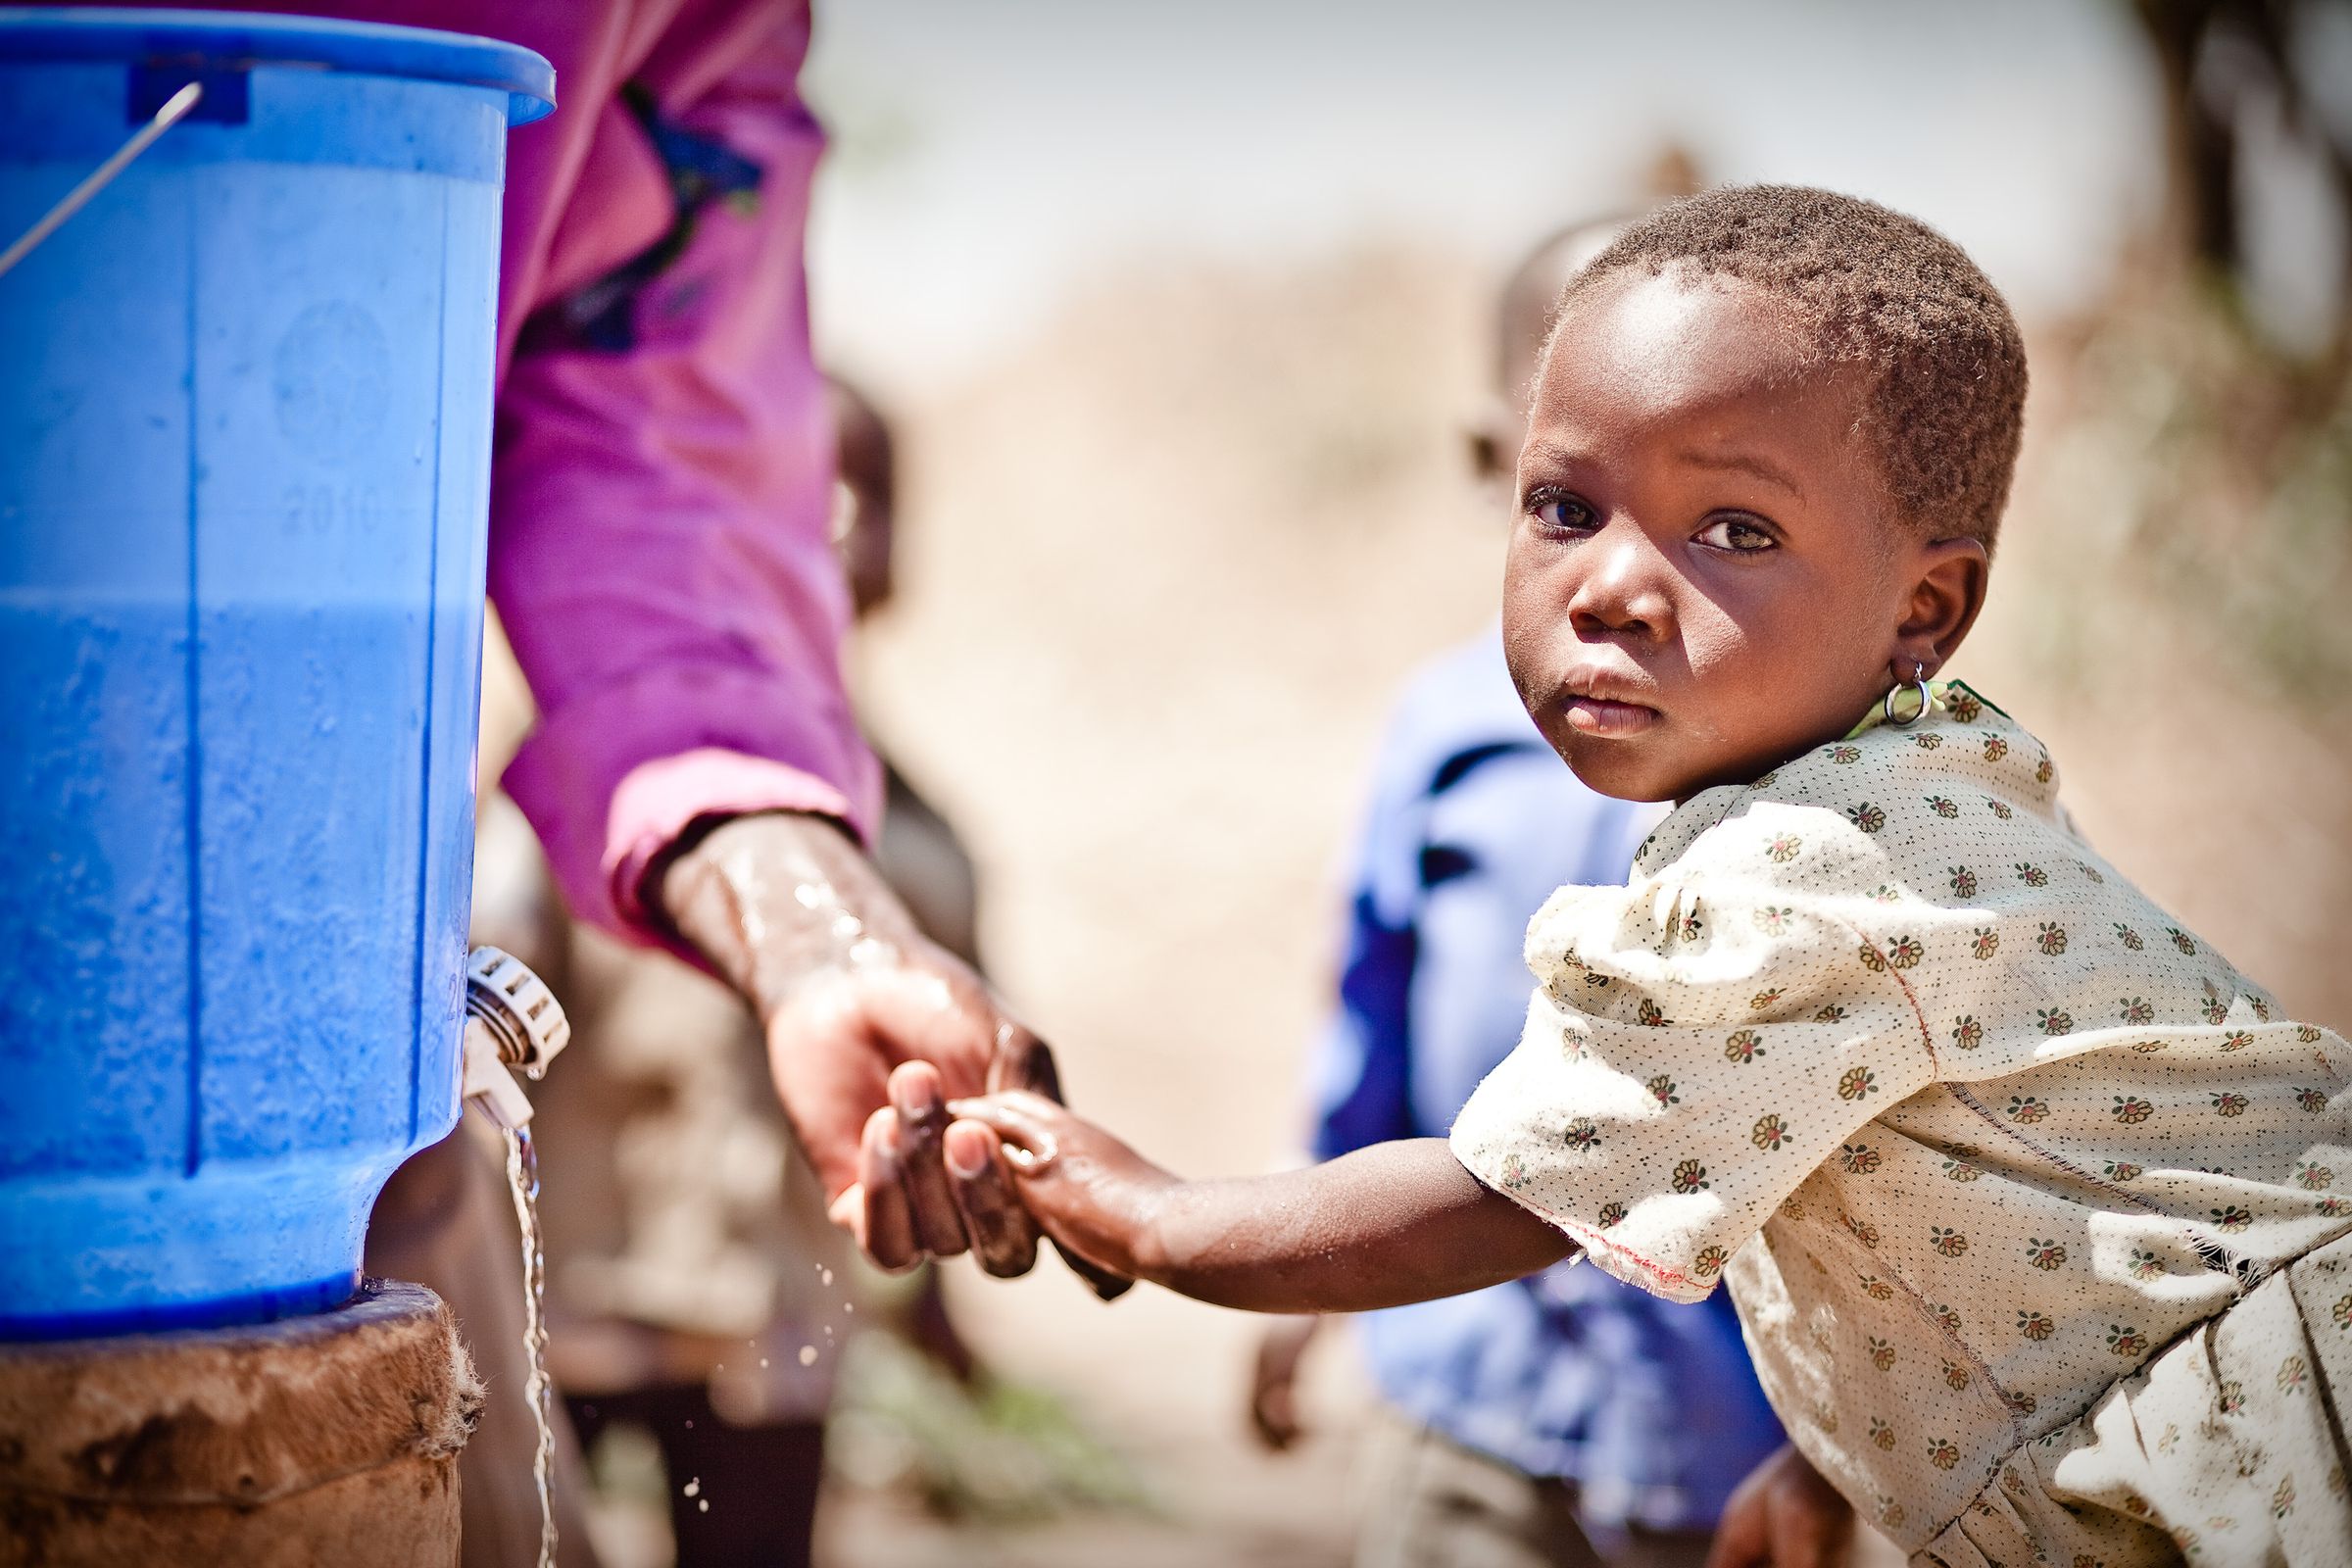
(807, 1355)
(849, 1306)
(704, 1505)
(824, 1275)
(764, 1360)
(693, 1489)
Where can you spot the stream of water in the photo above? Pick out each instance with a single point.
(523, 1178)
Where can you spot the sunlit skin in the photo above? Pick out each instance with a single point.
(1703, 577)
(1703, 581)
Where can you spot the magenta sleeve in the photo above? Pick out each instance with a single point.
(660, 550)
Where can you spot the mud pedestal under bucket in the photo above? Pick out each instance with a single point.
(331, 1439)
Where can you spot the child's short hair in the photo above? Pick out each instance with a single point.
(1947, 370)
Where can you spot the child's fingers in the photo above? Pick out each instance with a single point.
(1041, 1109)
(1022, 1120)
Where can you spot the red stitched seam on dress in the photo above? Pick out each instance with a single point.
(1926, 1038)
(1593, 1241)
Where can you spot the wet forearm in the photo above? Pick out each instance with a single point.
(1387, 1225)
(767, 898)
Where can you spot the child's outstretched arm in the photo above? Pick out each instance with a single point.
(1386, 1225)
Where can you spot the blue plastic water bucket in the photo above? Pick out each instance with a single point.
(244, 472)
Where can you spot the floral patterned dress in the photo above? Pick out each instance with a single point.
(2038, 1217)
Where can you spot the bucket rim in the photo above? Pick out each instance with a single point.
(242, 39)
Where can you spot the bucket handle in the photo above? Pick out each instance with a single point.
(174, 108)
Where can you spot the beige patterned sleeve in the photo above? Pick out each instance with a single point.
(1695, 1046)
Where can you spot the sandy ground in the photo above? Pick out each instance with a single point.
(1163, 570)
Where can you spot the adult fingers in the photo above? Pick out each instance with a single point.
(915, 1094)
(886, 1229)
(1003, 1234)
(1022, 1061)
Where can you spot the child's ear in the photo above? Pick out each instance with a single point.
(1947, 593)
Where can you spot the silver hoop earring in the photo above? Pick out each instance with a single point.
(1918, 684)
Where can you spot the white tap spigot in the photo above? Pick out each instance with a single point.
(511, 1021)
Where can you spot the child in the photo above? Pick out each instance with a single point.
(2028, 1198)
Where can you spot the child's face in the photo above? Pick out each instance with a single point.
(1702, 581)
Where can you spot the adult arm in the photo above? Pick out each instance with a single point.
(662, 495)
(661, 555)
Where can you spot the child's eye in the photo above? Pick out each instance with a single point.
(1737, 534)
(1556, 511)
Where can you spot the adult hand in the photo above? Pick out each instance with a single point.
(785, 907)
(1784, 1515)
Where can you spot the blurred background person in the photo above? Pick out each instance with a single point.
(917, 852)
(1565, 1420)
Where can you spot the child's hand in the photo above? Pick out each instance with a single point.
(1784, 1515)
(1393, 1223)
(1274, 1380)
(1088, 1191)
